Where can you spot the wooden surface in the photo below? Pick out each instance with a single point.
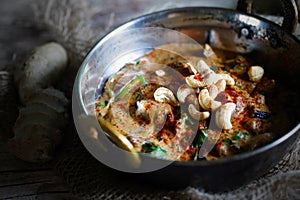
(21, 180)
(18, 179)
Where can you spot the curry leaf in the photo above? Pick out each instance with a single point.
(236, 67)
(240, 87)
(240, 135)
(227, 141)
(214, 68)
(200, 138)
(102, 104)
(149, 147)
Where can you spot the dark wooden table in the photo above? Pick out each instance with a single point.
(19, 179)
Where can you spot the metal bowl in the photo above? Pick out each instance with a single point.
(225, 29)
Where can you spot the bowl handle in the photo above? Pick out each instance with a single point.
(290, 13)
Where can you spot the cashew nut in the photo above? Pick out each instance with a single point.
(183, 92)
(255, 73)
(163, 94)
(206, 102)
(194, 81)
(223, 115)
(221, 85)
(191, 68)
(203, 78)
(196, 114)
(215, 89)
(203, 68)
(206, 77)
(192, 99)
(229, 80)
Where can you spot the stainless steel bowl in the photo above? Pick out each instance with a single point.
(269, 44)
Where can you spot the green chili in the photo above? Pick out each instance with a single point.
(134, 81)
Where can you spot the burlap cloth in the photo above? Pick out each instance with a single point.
(78, 25)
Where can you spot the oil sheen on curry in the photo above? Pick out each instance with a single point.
(182, 102)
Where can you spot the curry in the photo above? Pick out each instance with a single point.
(179, 102)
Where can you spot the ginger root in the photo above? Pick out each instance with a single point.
(42, 69)
(38, 128)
